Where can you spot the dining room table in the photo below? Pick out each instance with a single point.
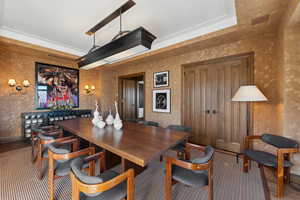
(135, 143)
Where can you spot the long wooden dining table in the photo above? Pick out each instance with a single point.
(137, 143)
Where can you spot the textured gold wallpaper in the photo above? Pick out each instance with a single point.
(20, 66)
(266, 115)
(289, 63)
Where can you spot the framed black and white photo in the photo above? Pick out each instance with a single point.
(161, 79)
(161, 101)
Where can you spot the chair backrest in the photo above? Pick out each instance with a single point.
(180, 128)
(149, 123)
(279, 141)
(45, 137)
(57, 149)
(76, 167)
(209, 152)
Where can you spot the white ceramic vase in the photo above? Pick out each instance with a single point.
(117, 122)
(110, 119)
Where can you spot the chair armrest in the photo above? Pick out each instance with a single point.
(96, 156)
(73, 141)
(89, 151)
(101, 187)
(189, 146)
(100, 156)
(250, 138)
(187, 165)
(52, 132)
(287, 150)
(56, 140)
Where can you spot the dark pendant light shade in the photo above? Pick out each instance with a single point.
(133, 43)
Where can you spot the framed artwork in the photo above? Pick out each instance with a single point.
(56, 86)
(161, 101)
(161, 79)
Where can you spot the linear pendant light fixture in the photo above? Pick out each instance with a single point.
(124, 45)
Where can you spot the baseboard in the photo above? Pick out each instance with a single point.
(4, 140)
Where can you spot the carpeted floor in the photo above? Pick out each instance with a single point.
(18, 181)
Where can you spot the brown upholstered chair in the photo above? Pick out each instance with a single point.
(60, 156)
(48, 130)
(196, 173)
(281, 162)
(108, 185)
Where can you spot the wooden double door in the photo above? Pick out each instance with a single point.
(208, 109)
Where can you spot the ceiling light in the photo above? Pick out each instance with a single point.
(124, 45)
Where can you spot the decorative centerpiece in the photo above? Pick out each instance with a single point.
(110, 119)
(98, 120)
(117, 122)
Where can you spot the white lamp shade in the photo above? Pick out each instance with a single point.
(249, 93)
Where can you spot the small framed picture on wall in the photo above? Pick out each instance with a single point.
(161, 79)
(161, 101)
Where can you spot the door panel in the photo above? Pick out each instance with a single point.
(230, 118)
(196, 104)
(210, 87)
(129, 99)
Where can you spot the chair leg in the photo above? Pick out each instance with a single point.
(161, 158)
(246, 164)
(280, 182)
(51, 179)
(32, 149)
(75, 190)
(40, 162)
(288, 175)
(168, 182)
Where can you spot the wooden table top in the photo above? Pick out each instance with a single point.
(135, 142)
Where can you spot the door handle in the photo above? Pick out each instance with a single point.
(207, 111)
(214, 112)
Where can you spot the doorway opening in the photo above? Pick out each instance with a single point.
(132, 96)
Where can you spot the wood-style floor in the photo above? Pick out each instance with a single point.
(12, 146)
(292, 192)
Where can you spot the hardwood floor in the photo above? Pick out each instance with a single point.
(13, 145)
(291, 191)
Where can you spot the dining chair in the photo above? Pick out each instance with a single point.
(149, 123)
(108, 185)
(60, 156)
(197, 172)
(43, 142)
(281, 162)
(179, 148)
(50, 130)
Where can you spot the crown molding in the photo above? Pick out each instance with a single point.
(196, 31)
(36, 40)
(187, 34)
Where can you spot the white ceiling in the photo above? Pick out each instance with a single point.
(61, 24)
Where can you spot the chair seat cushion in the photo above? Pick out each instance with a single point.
(189, 177)
(265, 158)
(116, 193)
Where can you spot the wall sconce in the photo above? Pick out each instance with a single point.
(89, 89)
(12, 83)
